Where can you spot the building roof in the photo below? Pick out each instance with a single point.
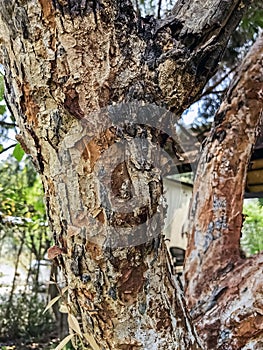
(255, 172)
(254, 182)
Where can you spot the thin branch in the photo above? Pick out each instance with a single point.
(137, 8)
(216, 92)
(7, 148)
(211, 88)
(8, 125)
(159, 9)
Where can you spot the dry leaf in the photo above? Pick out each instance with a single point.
(63, 290)
(92, 341)
(53, 252)
(52, 302)
(63, 309)
(64, 342)
(74, 324)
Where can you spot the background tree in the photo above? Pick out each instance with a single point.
(252, 231)
(24, 242)
(25, 239)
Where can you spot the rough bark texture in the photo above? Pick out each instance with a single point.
(64, 61)
(223, 289)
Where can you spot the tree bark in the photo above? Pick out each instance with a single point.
(90, 85)
(224, 289)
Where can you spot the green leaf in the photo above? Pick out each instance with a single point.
(1, 87)
(2, 109)
(18, 152)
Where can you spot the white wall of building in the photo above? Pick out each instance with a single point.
(178, 196)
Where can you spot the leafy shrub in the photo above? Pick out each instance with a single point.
(252, 232)
(24, 317)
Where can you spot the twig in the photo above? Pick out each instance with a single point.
(7, 148)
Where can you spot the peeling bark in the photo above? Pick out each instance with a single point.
(224, 290)
(66, 62)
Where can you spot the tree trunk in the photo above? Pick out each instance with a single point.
(90, 85)
(223, 289)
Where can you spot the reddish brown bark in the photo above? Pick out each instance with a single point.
(222, 288)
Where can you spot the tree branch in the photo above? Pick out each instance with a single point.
(213, 254)
(7, 125)
(159, 9)
(210, 89)
(7, 148)
(198, 32)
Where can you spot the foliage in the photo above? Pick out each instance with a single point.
(240, 42)
(24, 237)
(252, 239)
(22, 207)
(25, 319)
(245, 35)
(18, 152)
